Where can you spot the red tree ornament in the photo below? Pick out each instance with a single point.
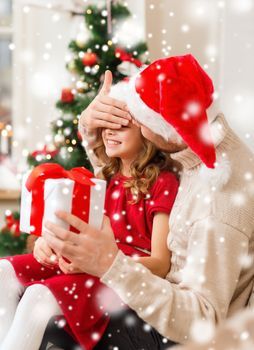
(67, 95)
(12, 224)
(89, 59)
(79, 136)
(44, 152)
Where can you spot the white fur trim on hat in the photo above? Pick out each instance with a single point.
(219, 176)
(126, 91)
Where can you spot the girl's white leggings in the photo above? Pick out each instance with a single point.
(24, 313)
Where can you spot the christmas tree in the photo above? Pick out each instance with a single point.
(12, 241)
(91, 56)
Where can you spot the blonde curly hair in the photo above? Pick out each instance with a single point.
(144, 169)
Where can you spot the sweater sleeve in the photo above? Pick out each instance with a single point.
(208, 281)
(89, 142)
(235, 333)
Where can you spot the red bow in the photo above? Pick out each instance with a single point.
(126, 57)
(44, 152)
(35, 184)
(12, 224)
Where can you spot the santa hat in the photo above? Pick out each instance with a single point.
(170, 97)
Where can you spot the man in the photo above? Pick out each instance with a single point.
(211, 224)
(236, 333)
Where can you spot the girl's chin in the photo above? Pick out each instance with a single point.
(112, 153)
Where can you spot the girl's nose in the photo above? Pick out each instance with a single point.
(110, 131)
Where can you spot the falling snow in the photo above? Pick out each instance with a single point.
(202, 331)
(240, 99)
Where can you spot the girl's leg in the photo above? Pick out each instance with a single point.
(35, 309)
(10, 291)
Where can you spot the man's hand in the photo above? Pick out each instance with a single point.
(104, 111)
(91, 251)
(67, 267)
(44, 254)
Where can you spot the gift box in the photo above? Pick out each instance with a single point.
(49, 187)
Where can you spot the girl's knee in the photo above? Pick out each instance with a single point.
(6, 267)
(9, 283)
(41, 301)
(36, 292)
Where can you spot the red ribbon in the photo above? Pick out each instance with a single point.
(44, 152)
(81, 191)
(126, 57)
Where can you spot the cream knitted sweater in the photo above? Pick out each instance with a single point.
(211, 239)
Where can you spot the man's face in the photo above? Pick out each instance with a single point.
(160, 142)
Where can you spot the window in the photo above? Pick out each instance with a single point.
(5, 75)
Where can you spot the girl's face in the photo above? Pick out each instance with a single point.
(124, 143)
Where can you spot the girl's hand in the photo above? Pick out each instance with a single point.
(104, 111)
(44, 254)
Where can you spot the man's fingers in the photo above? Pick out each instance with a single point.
(63, 248)
(68, 267)
(102, 120)
(106, 83)
(113, 102)
(72, 220)
(112, 110)
(106, 227)
(106, 125)
(64, 266)
(106, 222)
(61, 233)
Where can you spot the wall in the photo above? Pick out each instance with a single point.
(237, 80)
(40, 38)
(179, 27)
(221, 35)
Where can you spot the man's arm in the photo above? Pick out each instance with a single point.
(209, 281)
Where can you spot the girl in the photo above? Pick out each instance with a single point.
(140, 194)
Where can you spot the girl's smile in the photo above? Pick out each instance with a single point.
(110, 143)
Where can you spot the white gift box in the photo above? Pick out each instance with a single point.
(58, 195)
